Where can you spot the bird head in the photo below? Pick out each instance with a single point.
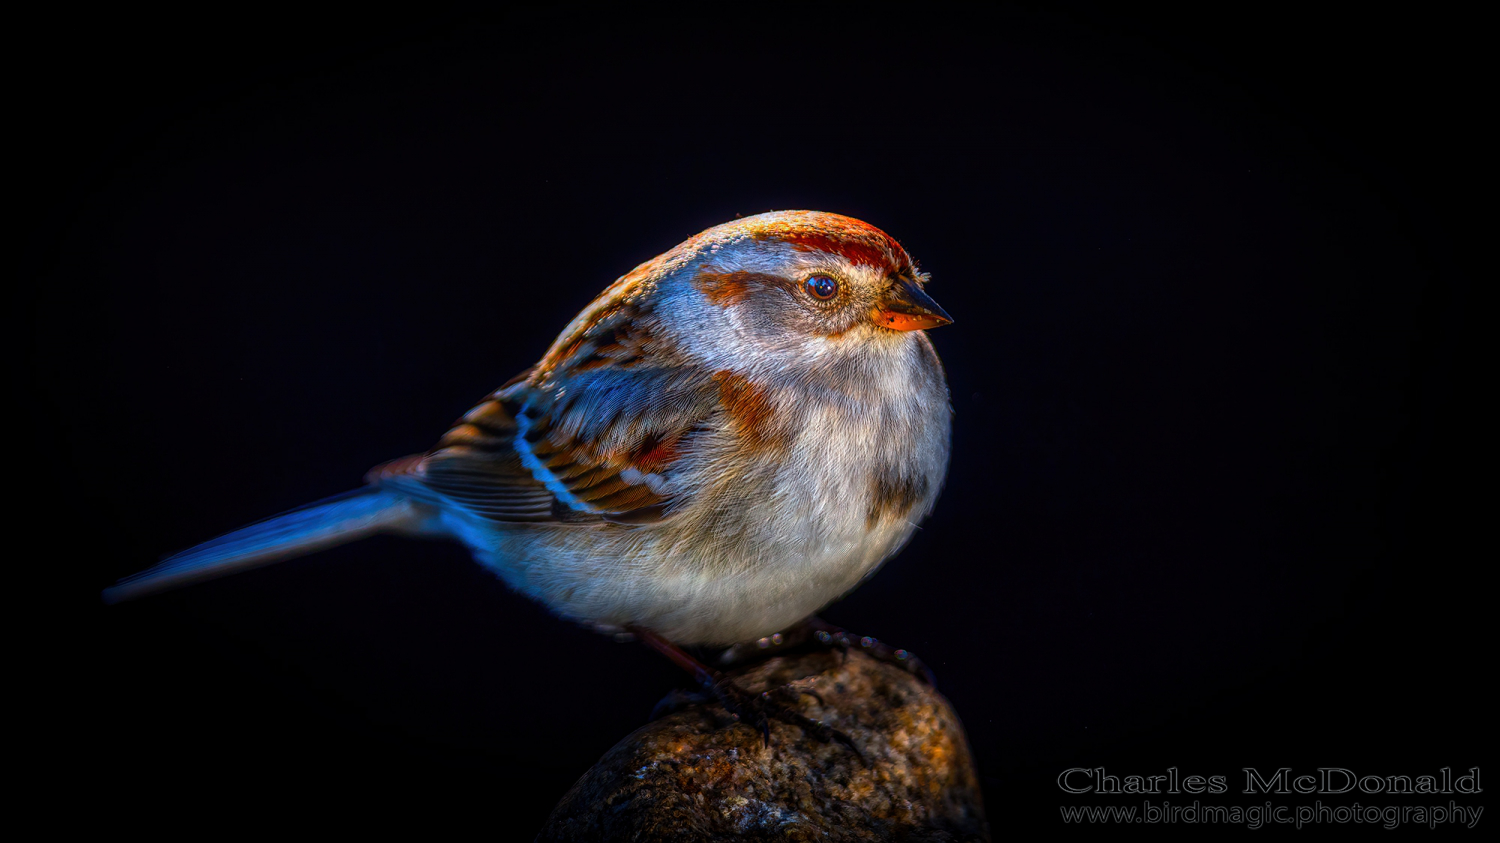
(797, 284)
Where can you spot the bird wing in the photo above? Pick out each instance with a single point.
(591, 433)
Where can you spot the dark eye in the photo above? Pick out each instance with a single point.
(822, 288)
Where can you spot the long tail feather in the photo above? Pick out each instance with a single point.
(317, 526)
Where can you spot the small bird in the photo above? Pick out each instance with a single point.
(730, 437)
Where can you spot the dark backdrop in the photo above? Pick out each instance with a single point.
(1209, 502)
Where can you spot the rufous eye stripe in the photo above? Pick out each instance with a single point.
(726, 288)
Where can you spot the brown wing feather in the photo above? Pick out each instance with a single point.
(603, 418)
(475, 466)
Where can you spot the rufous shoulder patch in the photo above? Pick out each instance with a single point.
(750, 410)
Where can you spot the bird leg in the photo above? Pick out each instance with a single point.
(754, 710)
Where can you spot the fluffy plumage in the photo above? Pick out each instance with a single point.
(709, 450)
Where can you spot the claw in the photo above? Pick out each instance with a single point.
(814, 694)
(757, 711)
(798, 688)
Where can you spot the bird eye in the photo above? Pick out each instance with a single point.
(822, 288)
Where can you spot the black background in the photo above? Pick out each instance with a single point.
(1211, 499)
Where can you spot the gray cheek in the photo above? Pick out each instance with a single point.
(776, 321)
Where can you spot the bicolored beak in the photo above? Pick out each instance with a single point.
(906, 308)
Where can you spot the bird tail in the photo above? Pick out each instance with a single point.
(307, 529)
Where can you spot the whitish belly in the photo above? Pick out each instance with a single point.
(679, 588)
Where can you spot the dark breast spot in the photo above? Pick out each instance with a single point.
(894, 495)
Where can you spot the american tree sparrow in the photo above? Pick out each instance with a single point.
(729, 438)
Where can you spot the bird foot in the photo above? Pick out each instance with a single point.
(754, 710)
(758, 710)
(828, 635)
(816, 632)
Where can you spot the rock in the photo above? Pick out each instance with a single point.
(697, 775)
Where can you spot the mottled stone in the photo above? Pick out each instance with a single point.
(696, 775)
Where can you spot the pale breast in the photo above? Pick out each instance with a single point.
(792, 496)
